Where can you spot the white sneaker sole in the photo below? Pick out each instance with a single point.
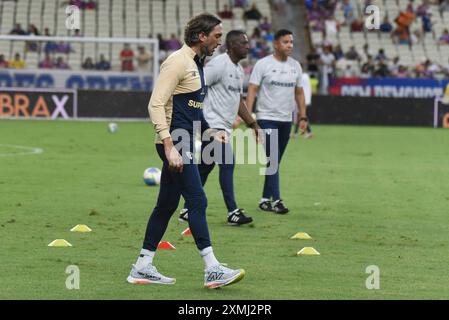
(217, 284)
(146, 281)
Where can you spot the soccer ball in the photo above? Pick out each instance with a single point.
(152, 176)
(112, 127)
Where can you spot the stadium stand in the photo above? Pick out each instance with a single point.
(110, 18)
(411, 31)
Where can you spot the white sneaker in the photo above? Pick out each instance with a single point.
(220, 276)
(148, 275)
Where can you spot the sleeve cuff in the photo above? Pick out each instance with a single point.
(164, 134)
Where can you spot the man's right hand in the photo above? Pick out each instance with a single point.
(173, 157)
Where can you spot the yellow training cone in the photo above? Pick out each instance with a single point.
(81, 228)
(301, 236)
(308, 251)
(60, 243)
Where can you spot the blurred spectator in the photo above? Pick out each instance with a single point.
(161, 40)
(32, 46)
(416, 37)
(143, 59)
(88, 64)
(331, 26)
(17, 62)
(350, 71)
(126, 57)
(357, 25)
(381, 56)
(410, 7)
(381, 70)
(427, 23)
(265, 25)
(253, 13)
(226, 13)
(103, 64)
(386, 26)
(431, 69)
(444, 39)
(368, 68)
(401, 35)
(348, 12)
(338, 52)
(240, 3)
(32, 30)
(402, 72)
(423, 9)
(327, 61)
(268, 36)
(343, 68)
(82, 4)
(173, 43)
(47, 63)
(394, 66)
(50, 46)
(352, 54)
(3, 63)
(77, 33)
(90, 5)
(63, 47)
(18, 30)
(61, 64)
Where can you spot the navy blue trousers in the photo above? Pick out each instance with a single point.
(214, 152)
(271, 188)
(173, 185)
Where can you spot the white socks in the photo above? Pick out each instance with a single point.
(145, 258)
(264, 200)
(209, 258)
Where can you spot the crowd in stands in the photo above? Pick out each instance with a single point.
(328, 59)
(56, 53)
(82, 4)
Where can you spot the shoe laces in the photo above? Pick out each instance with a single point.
(219, 267)
(148, 269)
(239, 212)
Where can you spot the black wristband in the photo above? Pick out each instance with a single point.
(303, 119)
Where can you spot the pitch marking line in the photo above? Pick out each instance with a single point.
(26, 150)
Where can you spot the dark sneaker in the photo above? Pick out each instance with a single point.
(184, 215)
(279, 208)
(238, 218)
(266, 206)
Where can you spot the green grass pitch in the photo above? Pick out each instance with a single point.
(367, 195)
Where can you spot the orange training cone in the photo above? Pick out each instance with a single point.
(186, 232)
(165, 245)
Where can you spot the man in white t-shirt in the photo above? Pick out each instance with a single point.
(223, 102)
(278, 81)
(307, 87)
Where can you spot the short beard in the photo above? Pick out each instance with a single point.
(205, 52)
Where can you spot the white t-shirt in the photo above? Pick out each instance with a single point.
(277, 82)
(328, 60)
(225, 87)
